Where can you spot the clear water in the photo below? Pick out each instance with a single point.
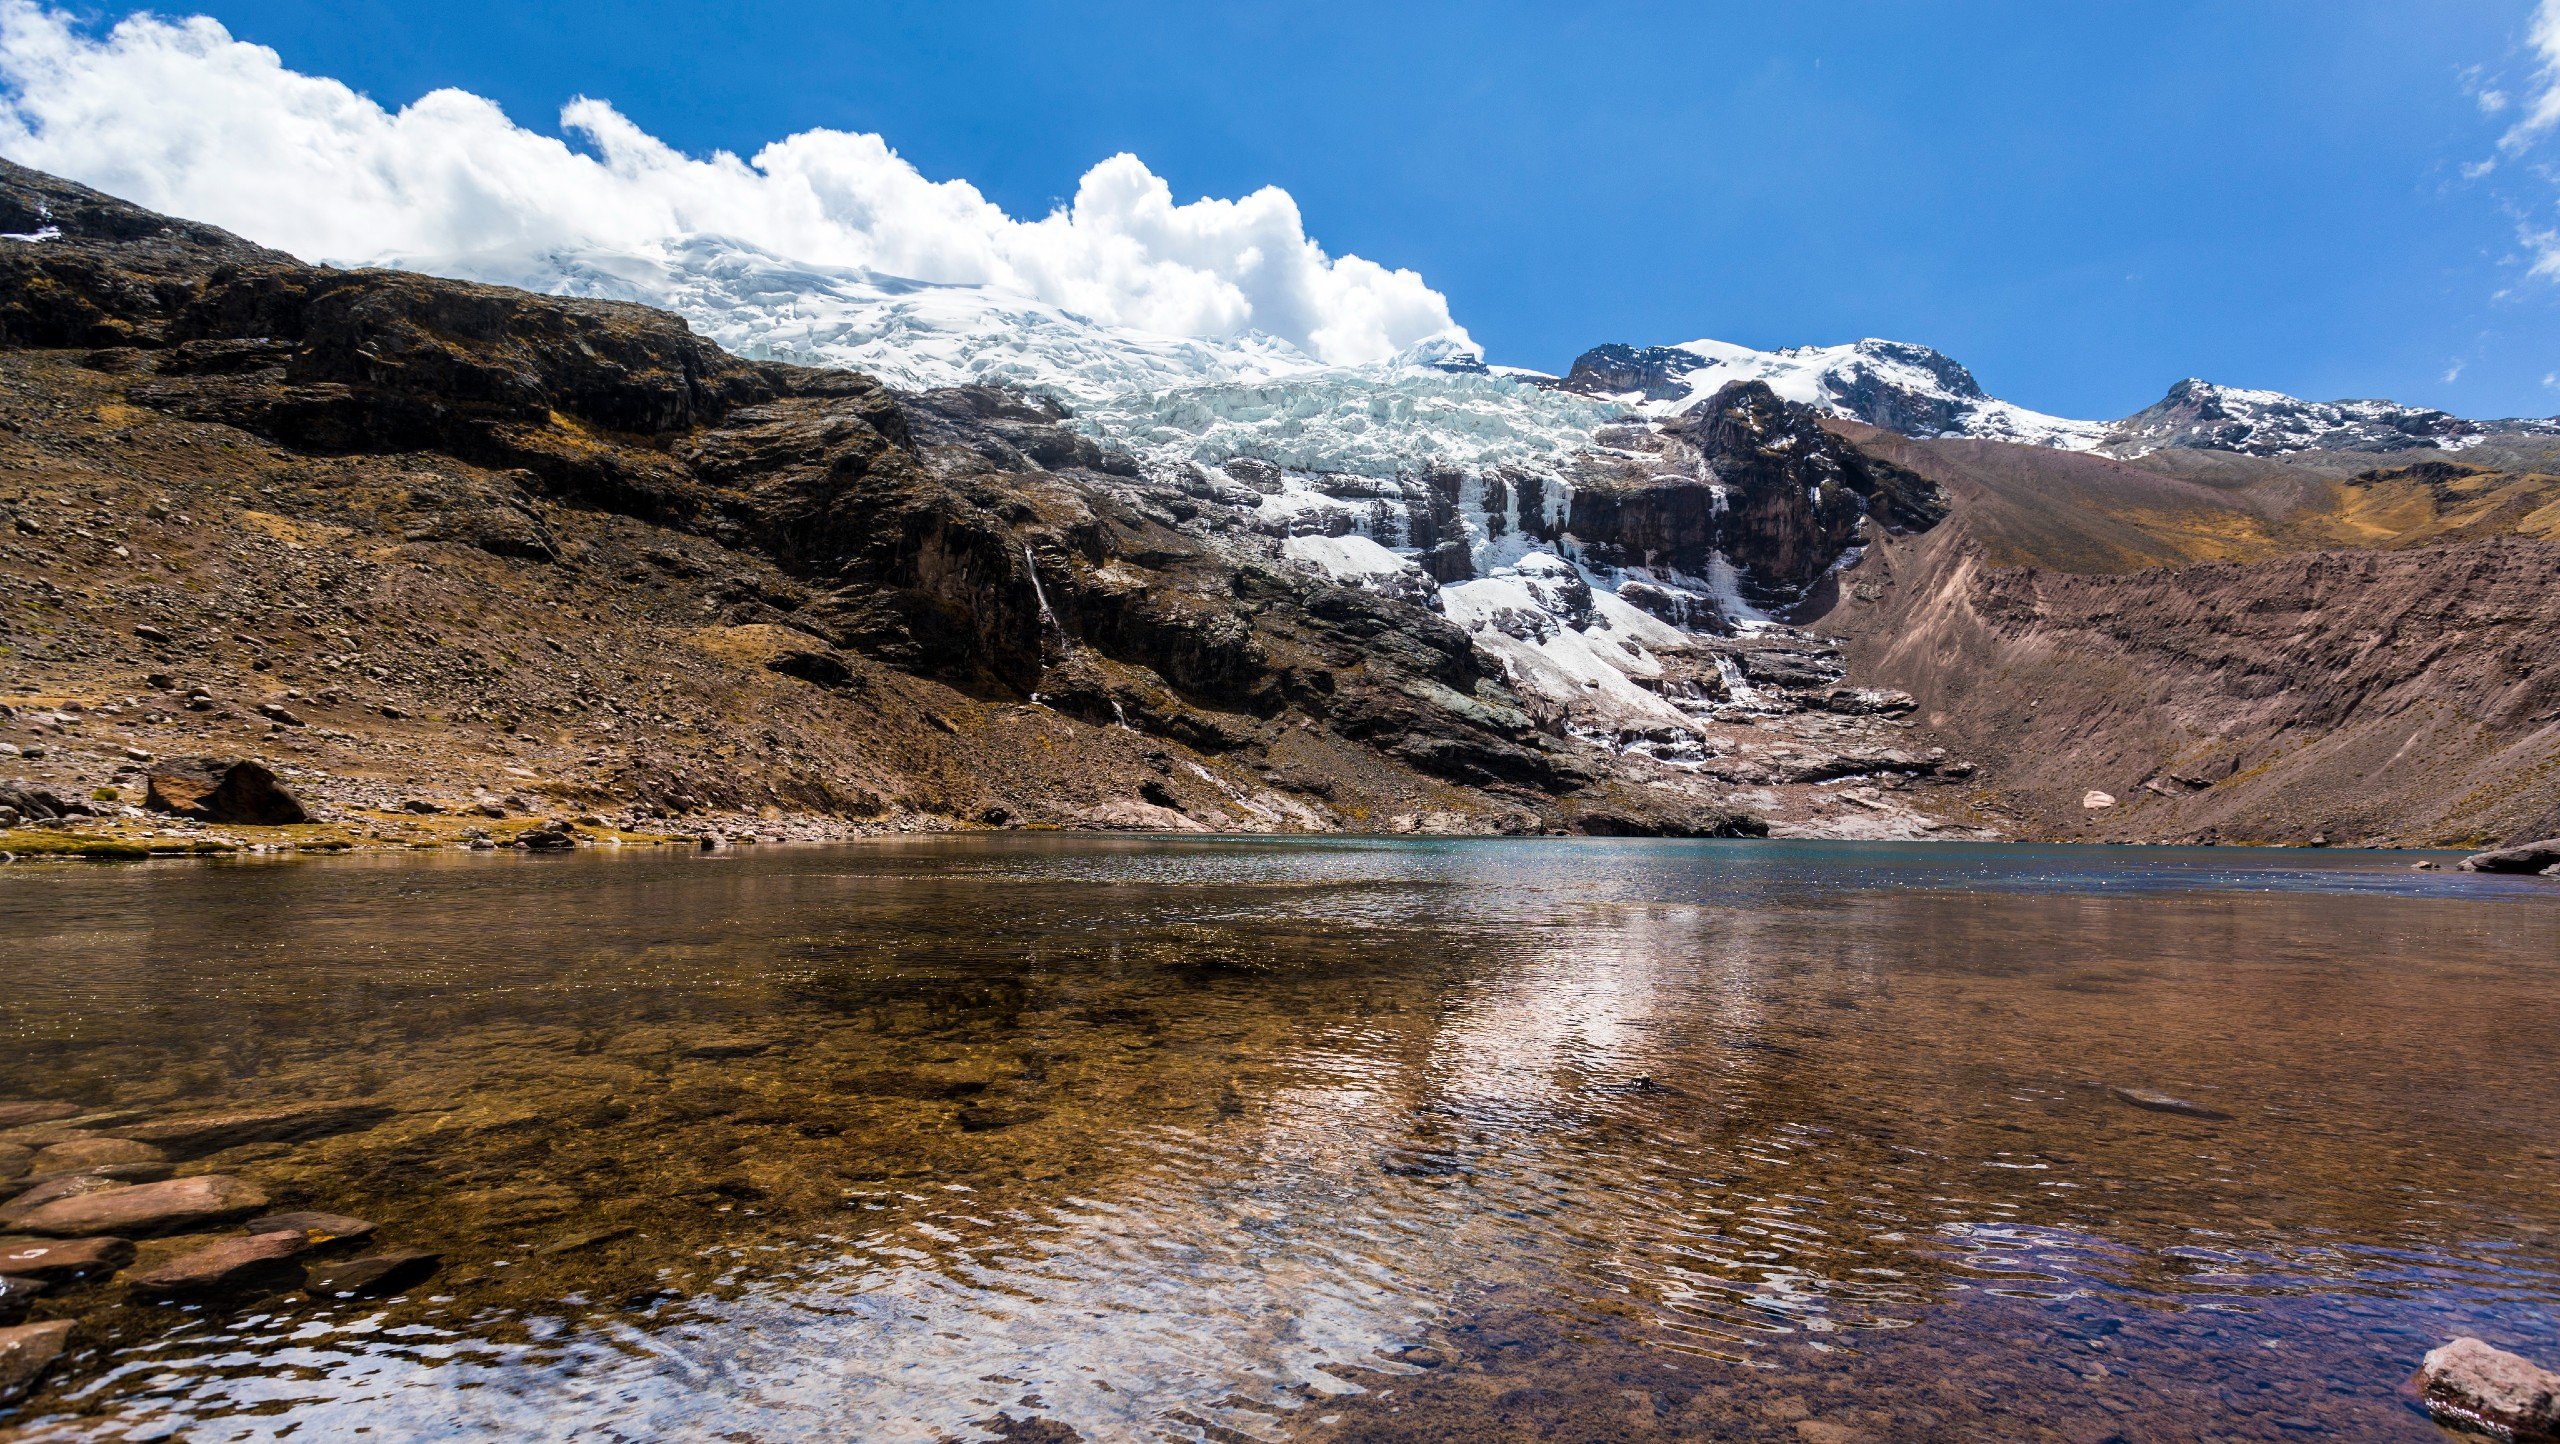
(1048, 1138)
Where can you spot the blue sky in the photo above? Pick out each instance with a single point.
(2082, 202)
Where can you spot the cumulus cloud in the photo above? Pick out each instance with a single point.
(181, 116)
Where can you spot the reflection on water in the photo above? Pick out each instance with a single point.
(1046, 1139)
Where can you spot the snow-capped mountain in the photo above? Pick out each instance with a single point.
(2202, 416)
(1893, 384)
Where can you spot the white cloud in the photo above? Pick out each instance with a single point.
(2492, 101)
(2542, 111)
(2453, 373)
(180, 116)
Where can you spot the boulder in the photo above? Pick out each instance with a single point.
(234, 791)
(547, 837)
(26, 1351)
(146, 1208)
(204, 1133)
(2523, 857)
(2093, 800)
(252, 1262)
(2469, 1385)
(387, 1272)
(64, 1260)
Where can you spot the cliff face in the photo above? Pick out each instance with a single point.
(303, 466)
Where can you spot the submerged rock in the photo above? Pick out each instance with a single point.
(68, 1185)
(66, 1260)
(2469, 1385)
(2523, 857)
(212, 1132)
(147, 1208)
(252, 1262)
(26, 1351)
(17, 1113)
(80, 1155)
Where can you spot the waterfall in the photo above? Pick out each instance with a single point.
(1037, 593)
(1734, 686)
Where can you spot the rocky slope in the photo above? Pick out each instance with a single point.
(2273, 652)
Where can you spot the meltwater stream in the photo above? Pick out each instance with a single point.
(1050, 1138)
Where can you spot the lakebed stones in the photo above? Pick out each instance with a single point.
(234, 791)
(26, 1351)
(2527, 857)
(256, 1262)
(2470, 1385)
(63, 1261)
(170, 1206)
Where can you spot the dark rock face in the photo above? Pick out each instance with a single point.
(1658, 373)
(1786, 497)
(227, 790)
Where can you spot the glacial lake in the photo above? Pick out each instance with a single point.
(1047, 1138)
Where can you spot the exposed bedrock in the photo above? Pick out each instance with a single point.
(1765, 485)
